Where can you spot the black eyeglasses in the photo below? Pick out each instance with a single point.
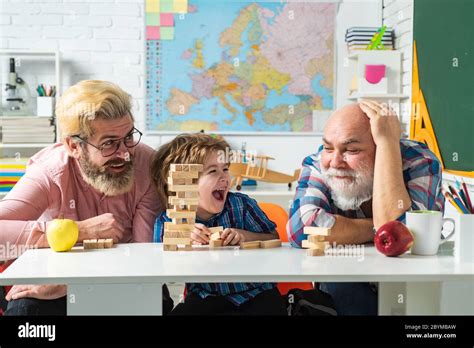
(110, 147)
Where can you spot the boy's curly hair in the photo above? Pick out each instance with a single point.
(186, 149)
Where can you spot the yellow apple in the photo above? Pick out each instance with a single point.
(62, 234)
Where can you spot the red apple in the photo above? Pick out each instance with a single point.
(393, 238)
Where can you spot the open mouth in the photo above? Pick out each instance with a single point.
(219, 194)
(117, 167)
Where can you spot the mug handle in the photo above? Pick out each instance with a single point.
(443, 238)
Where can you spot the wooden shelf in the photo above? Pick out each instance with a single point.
(355, 55)
(374, 95)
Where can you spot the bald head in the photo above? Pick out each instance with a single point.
(347, 124)
(350, 117)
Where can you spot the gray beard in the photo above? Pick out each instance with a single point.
(350, 196)
(110, 184)
(353, 203)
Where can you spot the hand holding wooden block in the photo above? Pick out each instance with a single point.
(215, 243)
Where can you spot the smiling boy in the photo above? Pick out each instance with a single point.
(240, 216)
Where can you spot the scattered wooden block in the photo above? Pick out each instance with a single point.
(108, 243)
(314, 252)
(98, 243)
(167, 247)
(216, 243)
(187, 247)
(89, 243)
(250, 245)
(313, 238)
(320, 231)
(317, 245)
(273, 243)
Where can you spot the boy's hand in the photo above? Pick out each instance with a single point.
(200, 234)
(232, 236)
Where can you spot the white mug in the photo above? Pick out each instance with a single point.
(426, 227)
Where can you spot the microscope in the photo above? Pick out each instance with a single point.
(17, 92)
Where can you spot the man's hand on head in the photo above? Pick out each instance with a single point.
(384, 123)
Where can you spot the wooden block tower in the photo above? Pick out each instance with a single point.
(316, 242)
(182, 180)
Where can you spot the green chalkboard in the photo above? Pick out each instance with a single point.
(444, 35)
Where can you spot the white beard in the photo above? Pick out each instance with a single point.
(349, 194)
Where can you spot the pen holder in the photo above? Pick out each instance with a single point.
(464, 238)
(44, 106)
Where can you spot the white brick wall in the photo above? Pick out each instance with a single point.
(399, 15)
(104, 39)
(98, 39)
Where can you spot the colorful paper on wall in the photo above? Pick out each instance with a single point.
(161, 14)
(152, 6)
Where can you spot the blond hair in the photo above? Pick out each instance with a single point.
(185, 149)
(90, 100)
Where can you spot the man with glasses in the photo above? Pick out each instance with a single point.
(97, 176)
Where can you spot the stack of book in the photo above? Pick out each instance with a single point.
(28, 130)
(358, 38)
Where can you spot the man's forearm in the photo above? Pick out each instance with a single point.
(351, 231)
(390, 197)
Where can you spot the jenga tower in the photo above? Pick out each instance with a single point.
(317, 240)
(182, 180)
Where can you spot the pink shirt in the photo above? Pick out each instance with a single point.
(53, 186)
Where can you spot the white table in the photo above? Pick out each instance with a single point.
(127, 279)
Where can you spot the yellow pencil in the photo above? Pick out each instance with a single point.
(446, 195)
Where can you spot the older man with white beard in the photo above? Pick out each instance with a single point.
(362, 176)
(97, 176)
